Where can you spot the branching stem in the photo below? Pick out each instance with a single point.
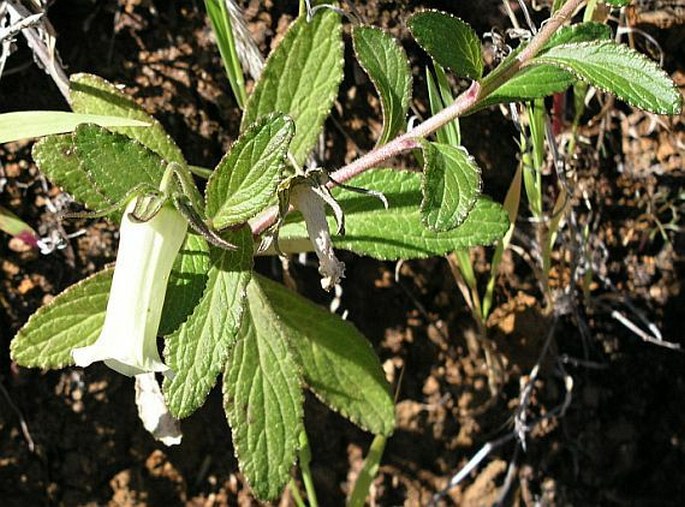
(462, 104)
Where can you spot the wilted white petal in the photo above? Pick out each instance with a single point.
(147, 250)
(153, 411)
(313, 209)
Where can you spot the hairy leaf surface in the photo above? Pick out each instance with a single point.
(617, 69)
(186, 283)
(450, 41)
(397, 233)
(338, 363)
(115, 163)
(386, 63)
(196, 352)
(301, 79)
(263, 399)
(73, 319)
(451, 185)
(245, 180)
(93, 95)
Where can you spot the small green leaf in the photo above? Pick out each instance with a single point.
(27, 124)
(617, 69)
(263, 399)
(338, 363)
(384, 60)
(617, 3)
(245, 180)
(530, 83)
(397, 233)
(56, 158)
(186, 283)
(73, 319)
(115, 163)
(580, 32)
(450, 41)
(301, 79)
(196, 352)
(93, 95)
(451, 185)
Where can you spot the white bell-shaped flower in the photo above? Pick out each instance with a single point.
(147, 250)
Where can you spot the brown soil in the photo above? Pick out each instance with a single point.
(621, 440)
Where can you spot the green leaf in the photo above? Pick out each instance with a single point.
(530, 83)
(186, 283)
(397, 233)
(450, 41)
(617, 3)
(544, 80)
(115, 163)
(56, 157)
(196, 352)
(27, 124)
(451, 185)
(93, 95)
(338, 363)
(580, 32)
(617, 69)
(263, 399)
(301, 79)
(73, 319)
(245, 180)
(384, 60)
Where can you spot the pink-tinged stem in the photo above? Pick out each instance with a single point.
(410, 140)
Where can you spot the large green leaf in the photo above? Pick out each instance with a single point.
(451, 185)
(450, 41)
(301, 79)
(116, 163)
(263, 399)
(397, 233)
(196, 351)
(338, 363)
(73, 319)
(93, 95)
(56, 157)
(186, 283)
(245, 180)
(384, 60)
(617, 69)
(27, 124)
